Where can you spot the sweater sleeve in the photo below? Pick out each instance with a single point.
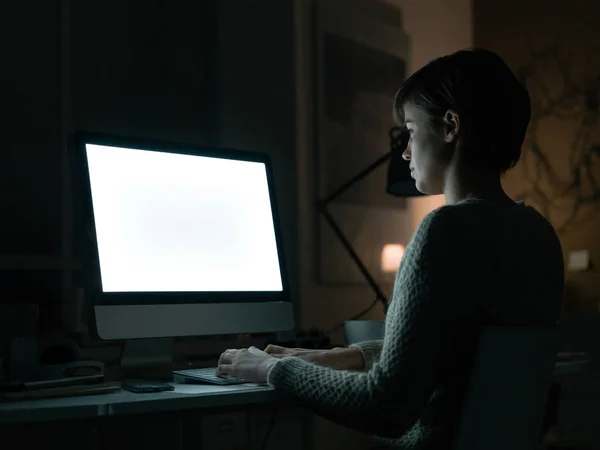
(371, 350)
(388, 399)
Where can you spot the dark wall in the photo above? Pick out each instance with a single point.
(206, 72)
(30, 143)
(145, 68)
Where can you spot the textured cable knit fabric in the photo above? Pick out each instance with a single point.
(370, 351)
(469, 265)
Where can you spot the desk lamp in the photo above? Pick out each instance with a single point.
(399, 183)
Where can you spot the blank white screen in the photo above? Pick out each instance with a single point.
(168, 222)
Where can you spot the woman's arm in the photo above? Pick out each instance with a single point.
(389, 398)
(370, 351)
(338, 358)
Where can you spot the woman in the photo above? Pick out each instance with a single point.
(480, 260)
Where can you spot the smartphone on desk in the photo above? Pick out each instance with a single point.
(144, 387)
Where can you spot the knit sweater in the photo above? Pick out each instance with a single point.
(468, 266)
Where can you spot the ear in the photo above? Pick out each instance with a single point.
(451, 126)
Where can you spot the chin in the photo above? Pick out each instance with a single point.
(421, 187)
(426, 189)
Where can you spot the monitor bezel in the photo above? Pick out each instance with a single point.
(86, 245)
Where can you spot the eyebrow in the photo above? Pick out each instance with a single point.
(408, 121)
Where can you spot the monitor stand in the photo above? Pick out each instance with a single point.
(148, 359)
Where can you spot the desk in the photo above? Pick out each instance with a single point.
(185, 397)
(125, 420)
(571, 366)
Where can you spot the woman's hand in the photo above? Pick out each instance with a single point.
(249, 364)
(336, 358)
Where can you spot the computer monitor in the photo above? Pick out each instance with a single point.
(178, 240)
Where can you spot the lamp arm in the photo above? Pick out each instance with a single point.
(322, 207)
(363, 269)
(398, 142)
(356, 178)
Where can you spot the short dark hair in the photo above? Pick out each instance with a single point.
(494, 106)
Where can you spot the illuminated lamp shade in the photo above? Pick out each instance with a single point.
(391, 255)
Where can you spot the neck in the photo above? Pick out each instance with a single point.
(464, 182)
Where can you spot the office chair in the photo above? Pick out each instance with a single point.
(506, 398)
(508, 391)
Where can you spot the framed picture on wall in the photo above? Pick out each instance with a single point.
(360, 62)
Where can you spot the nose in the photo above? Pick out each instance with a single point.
(406, 153)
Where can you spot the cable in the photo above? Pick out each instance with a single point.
(102, 440)
(268, 433)
(355, 317)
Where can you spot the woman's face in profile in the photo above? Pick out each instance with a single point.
(424, 150)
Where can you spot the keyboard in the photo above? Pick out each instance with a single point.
(206, 375)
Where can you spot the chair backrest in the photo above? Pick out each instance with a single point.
(508, 391)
